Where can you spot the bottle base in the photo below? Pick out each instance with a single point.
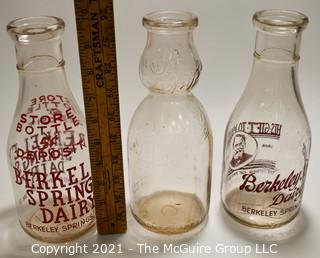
(59, 238)
(170, 212)
(254, 209)
(52, 232)
(258, 226)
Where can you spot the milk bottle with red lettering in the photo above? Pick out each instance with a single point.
(267, 139)
(47, 146)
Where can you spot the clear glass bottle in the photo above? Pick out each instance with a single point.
(47, 145)
(170, 140)
(267, 139)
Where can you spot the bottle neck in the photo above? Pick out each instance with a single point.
(41, 68)
(276, 59)
(169, 39)
(269, 75)
(278, 48)
(39, 56)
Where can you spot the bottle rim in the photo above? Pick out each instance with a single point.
(36, 28)
(280, 21)
(168, 20)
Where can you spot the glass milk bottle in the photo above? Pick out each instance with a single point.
(170, 140)
(47, 145)
(267, 139)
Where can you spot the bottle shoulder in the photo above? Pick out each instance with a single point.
(172, 114)
(269, 105)
(166, 106)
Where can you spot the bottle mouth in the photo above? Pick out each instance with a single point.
(280, 21)
(170, 20)
(33, 29)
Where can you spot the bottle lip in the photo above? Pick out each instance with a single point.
(170, 20)
(279, 21)
(37, 28)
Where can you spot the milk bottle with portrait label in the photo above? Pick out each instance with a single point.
(267, 139)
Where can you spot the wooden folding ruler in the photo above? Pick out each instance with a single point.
(97, 49)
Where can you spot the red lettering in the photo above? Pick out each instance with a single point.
(31, 200)
(23, 118)
(51, 98)
(66, 127)
(18, 176)
(20, 153)
(248, 183)
(33, 119)
(43, 196)
(90, 198)
(19, 127)
(57, 196)
(30, 155)
(47, 215)
(83, 206)
(34, 139)
(72, 176)
(67, 151)
(88, 185)
(33, 101)
(84, 174)
(69, 113)
(60, 97)
(55, 126)
(276, 185)
(29, 129)
(28, 177)
(55, 103)
(82, 141)
(45, 104)
(42, 98)
(72, 206)
(54, 154)
(42, 181)
(45, 120)
(61, 215)
(75, 121)
(71, 116)
(56, 178)
(42, 155)
(57, 117)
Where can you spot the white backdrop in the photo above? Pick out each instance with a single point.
(225, 41)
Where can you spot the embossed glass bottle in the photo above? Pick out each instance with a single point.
(267, 140)
(47, 146)
(170, 140)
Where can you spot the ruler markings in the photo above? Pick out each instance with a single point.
(96, 38)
